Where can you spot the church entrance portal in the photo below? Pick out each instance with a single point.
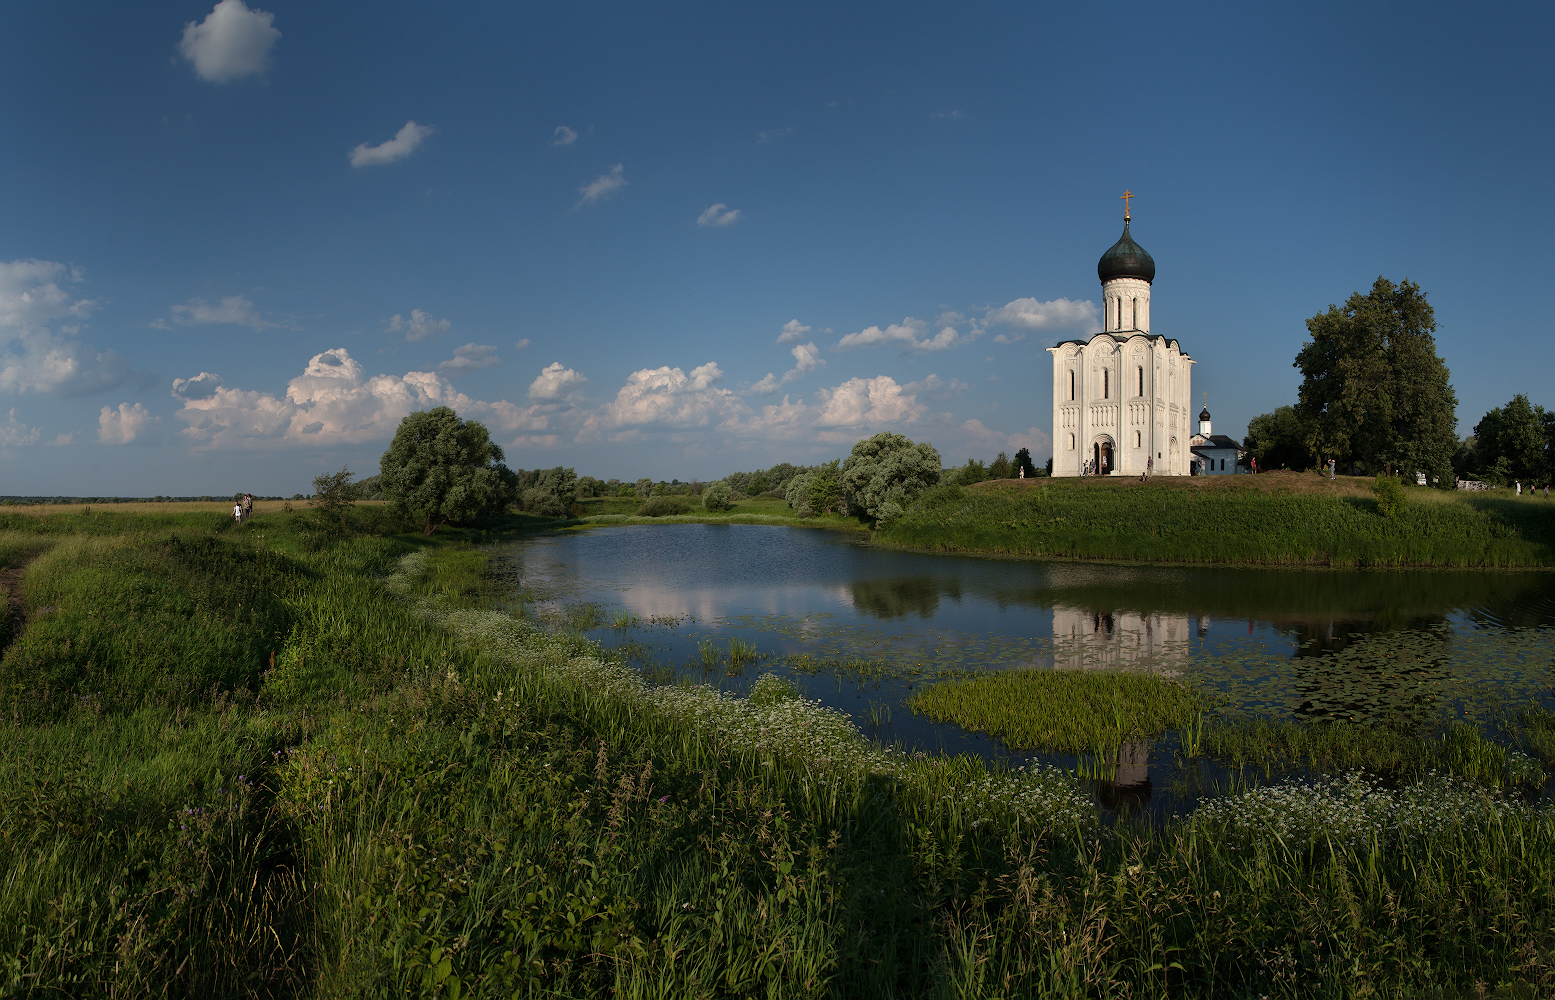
(1101, 457)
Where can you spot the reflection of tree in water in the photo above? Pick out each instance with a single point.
(1398, 679)
(900, 597)
(1319, 638)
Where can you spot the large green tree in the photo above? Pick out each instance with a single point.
(887, 472)
(1279, 440)
(1374, 393)
(443, 470)
(1513, 442)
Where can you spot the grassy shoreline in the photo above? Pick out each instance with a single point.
(267, 760)
(1275, 519)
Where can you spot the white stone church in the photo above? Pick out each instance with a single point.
(1121, 399)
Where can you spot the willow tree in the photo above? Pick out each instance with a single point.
(440, 469)
(1374, 392)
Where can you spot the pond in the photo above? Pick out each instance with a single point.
(859, 628)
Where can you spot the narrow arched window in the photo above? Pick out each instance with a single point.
(1141, 370)
(1071, 442)
(1135, 307)
(1071, 385)
(1106, 384)
(1138, 439)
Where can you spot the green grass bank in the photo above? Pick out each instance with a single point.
(1274, 519)
(271, 760)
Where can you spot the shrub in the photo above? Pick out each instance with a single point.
(717, 497)
(543, 503)
(886, 473)
(664, 507)
(1390, 496)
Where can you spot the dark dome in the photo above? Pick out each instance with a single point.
(1204, 413)
(1126, 259)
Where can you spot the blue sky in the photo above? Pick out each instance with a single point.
(238, 244)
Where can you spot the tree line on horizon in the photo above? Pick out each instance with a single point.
(1376, 398)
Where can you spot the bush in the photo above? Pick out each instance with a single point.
(1390, 496)
(717, 497)
(886, 473)
(543, 503)
(664, 507)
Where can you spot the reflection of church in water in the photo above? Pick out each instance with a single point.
(1121, 399)
(1094, 640)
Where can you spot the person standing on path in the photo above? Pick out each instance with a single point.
(248, 505)
(237, 511)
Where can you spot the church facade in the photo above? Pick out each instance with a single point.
(1121, 398)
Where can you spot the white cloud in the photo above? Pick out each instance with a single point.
(62, 439)
(807, 358)
(937, 387)
(773, 134)
(14, 432)
(471, 357)
(232, 309)
(668, 398)
(861, 401)
(522, 344)
(556, 383)
(405, 142)
(1036, 439)
(955, 115)
(419, 326)
(201, 386)
(1055, 315)
(332, 402)
(563, 136)
(232, 42)
(718, 214)
(38, 357)
(910, 334)
(794, 330)
(123, 425)
(602, 187)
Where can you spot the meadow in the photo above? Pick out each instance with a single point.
(1276, 519)
(289, 759)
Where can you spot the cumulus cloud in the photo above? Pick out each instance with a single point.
(232, 309)
(556, 383)
(861, 401)
(123, 425)
(471, 357)
(807, 358)
(520, 345)
(39, 318)
(405, 141)
(937, 387)
(602, 187)
(14, 432)
(201, 386)
(909, 335)
(1035, 438)
(232, 42)
(563, 136)
(419, 326)
(668, 398)
(332, 402)
(718, 214)
(793, 330)
(1056, 315)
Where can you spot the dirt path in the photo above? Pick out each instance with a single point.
(15, 620)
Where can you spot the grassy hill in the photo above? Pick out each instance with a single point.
(1278, 518)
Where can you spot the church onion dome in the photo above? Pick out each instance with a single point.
(1126, 259)
(1204, 413)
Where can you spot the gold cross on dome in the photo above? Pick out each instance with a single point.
(1125, 196)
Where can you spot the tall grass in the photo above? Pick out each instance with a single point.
(438, 799)
(1166, 523)
(1060, 709)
